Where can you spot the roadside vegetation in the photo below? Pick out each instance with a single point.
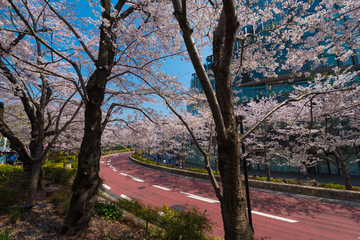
(54, 199)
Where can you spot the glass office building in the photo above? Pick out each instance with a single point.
(246, 88)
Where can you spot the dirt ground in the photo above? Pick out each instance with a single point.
(43, 222)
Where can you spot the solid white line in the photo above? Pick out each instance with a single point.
(114, 170)
(275, 217)
(137, 179)
(163, 188)
(106, 186)
(200, 198)
(125, 197)
(124, 174)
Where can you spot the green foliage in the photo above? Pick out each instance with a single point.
(7, 170)
(109, 211)
(5, 234)
(189, 224)
(62, 200)
(332, 185)
(13, 187)
(57, 173)
(125, 150)
(15, 215)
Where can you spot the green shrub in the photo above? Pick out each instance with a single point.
(62, 200)
(5, 234)
(57, 173)
(189, 224)
(261, 178)
(14, 184)
(332, 185)
(109, 211)
(7, 170)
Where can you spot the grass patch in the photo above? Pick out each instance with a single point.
(62, 200)
(6, 234)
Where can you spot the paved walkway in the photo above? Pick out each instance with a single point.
(325, 178)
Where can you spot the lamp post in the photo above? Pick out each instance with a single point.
(245, 174)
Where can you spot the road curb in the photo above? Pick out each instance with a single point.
(281, 187)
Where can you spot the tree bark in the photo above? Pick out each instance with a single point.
(233, 205)
(87, 179)
(346, 175)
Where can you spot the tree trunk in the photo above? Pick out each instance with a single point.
(34, 181)
(267, 170)
(87, 179)
(346, 175)
(233, 205)
(15, 143)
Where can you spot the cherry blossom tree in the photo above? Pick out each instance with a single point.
(106, 57)
(265, 143)
(276, 42)
(44, 104)
(327, 125)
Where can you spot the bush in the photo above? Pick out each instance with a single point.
(56, 173)
(188, 224)
(109, 211)
(332, 185)
(14, 184)
(7, 170)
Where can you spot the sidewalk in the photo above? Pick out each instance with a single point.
(324, 178)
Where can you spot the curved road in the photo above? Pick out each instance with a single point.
(275, 215)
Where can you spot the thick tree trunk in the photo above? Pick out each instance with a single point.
(233, 205)
(87, 179)
(34, 181)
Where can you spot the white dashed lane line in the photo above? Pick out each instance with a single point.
(106, 186)
(132, 177)
(163, 188)
(200, 198)
(274, 217)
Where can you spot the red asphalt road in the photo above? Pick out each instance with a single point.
(315, 219)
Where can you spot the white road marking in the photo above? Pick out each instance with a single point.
(163, 188)
(133, 178)
(200, 198)
(137, 179)
(274, 217)
(125, 197)
(101, 161)
(114, 170)
(106, 186)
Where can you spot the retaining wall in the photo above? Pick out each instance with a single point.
(281, 187)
